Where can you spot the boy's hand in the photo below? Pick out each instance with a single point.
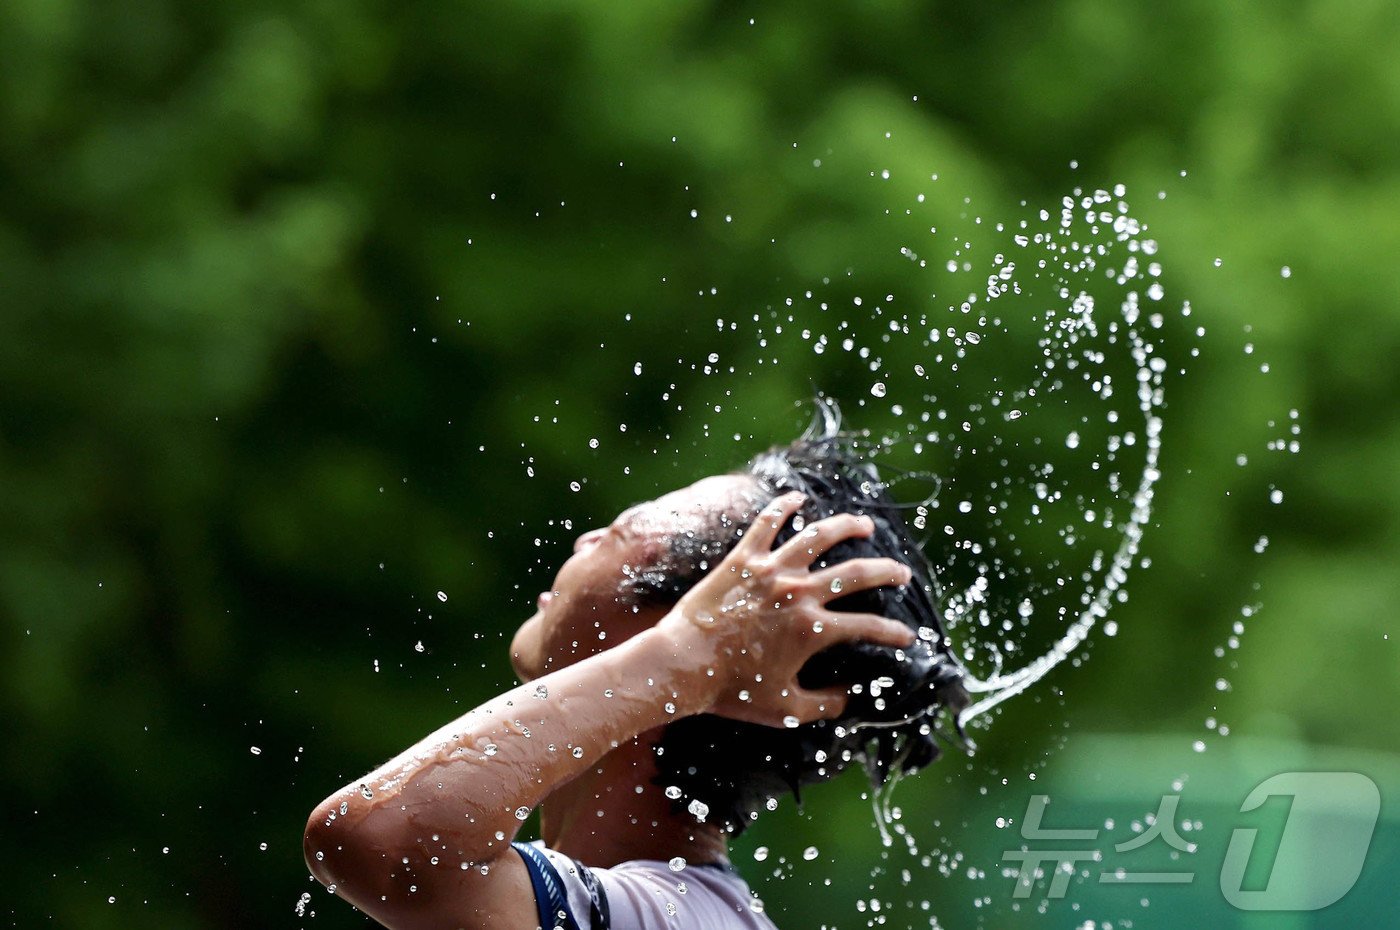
(761, 614)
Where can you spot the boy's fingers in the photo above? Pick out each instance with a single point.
(758, 538)
(870, 628)
(821, 704)
(813, 542)
(860, 575)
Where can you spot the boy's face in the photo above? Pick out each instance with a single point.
(587, 609)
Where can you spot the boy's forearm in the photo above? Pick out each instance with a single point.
(459, 795)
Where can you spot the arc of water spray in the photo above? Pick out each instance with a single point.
(999, 687)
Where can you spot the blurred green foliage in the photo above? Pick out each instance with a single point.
(308, 313)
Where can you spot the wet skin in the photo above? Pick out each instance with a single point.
(424, 840)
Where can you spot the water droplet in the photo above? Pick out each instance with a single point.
(578, 752)
(521, 813)
(836, 586)
(255, 750)
(1199, 745)
(878, 389)
(809, 853)
(699, 810)
(442, 596)
(1276, 496)
(541, 692)
(491, 749)
(673, 792)
(676, 864)
(760, 853)
(418, 646)
(791, 722)
(1072, 440)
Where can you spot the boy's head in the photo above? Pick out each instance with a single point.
(624, 578)
(897, 696)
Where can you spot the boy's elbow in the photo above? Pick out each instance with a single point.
(369, 863)
(380, 870)
(336, 849)
(316, 842)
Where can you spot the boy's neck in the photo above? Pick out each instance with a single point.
(602, 819)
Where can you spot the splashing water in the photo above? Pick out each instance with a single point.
(1081, 346)
(1030, 407)
(1026, 412)
(1083, 323)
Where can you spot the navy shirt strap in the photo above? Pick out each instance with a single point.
(550, 896)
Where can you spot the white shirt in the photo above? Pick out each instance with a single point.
(640, 895)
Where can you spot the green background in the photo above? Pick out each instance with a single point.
(308, 313)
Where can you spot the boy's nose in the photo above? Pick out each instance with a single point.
(588, 539)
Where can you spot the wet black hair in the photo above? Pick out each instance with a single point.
(902, 701)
